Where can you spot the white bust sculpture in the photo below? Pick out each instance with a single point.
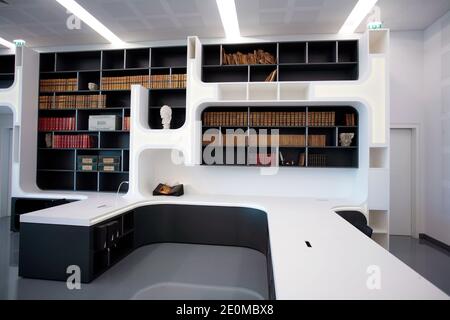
(166, 116)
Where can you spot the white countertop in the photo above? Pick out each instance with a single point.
(335, 267)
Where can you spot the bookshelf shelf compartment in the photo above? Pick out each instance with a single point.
(169, 57)
(292, 52)
(113, 59)
(7, 66)
(299, 140)
(322, 52)
(211, 55)
(78, 61)
(294, 61)
(261, 72)
(47, 62)
(178, 118)
(138, 58)
(347, 51)
(87, 181)
(225, 74)
(59, 164)
(55, 180)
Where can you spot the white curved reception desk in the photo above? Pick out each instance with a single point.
(312, 252)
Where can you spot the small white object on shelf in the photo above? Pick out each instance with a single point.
(166, 116)
(92, 86)
(346, 139)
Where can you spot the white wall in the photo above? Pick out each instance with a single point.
(418, 89)
(6, 122)
(437, 129)
(408, 101)
(406, 72)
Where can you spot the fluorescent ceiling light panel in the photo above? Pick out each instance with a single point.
(6, 43)
(90, 20)
(228, 15)
(359, 12)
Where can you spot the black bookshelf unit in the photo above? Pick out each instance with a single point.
(305, 136)
(293, 61)
(7, 65)
(66, 91)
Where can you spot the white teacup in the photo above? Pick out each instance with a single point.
(92, 86)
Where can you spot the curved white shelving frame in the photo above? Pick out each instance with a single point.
(174, 155)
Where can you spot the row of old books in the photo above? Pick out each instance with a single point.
(233, 118)
(124, 82)
(81, 141)
(350, 119)
(317, 140)
(278, 119)
(256, 57)
(264, 140)
(56, 123)
(282, 140)
(165, 81)
(317, 160)
(321, 119)
(126, 123)
(56, 85)
(73, 102)
(156, 81)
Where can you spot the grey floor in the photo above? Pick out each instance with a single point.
(429, 260)
(182, 271)
(160, 271)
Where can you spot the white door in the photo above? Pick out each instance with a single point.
(401, 182)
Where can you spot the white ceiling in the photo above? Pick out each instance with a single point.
(43, 22)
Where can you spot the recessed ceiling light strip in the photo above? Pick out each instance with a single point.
(359, 12)
(228, 15)
(90, 20)
(6, 43)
